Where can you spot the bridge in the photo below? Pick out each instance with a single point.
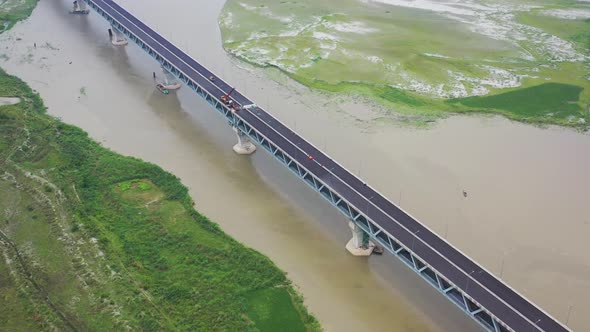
(482, 296)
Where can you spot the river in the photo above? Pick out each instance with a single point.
(525, 216)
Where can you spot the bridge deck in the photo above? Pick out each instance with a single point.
(498, 298)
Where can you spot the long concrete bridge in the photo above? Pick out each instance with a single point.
(482, 296)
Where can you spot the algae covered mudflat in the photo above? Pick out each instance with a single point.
(413, 56)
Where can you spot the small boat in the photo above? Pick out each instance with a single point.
(162, 89)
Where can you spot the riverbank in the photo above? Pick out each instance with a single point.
(95, 240)
(126, 248)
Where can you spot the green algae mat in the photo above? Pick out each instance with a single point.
(419, 58)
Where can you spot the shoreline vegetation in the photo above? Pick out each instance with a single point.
(331, 53)
(12, 11)
(92, 240)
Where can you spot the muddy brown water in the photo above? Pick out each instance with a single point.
(525, 216)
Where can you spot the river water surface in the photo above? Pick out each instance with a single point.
(525, 217)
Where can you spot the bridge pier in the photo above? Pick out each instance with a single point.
(359, 245)
(117, 38)
(244, 146)
(80, 8)
(170, 82)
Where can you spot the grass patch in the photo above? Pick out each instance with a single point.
(273, 310)
(582, 37)
(555, 100)
(141, 185)
(14, 315)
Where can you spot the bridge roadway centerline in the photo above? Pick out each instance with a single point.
(349, 186)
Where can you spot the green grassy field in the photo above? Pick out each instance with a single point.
(259, 303)
(111, 242)
(418, 62)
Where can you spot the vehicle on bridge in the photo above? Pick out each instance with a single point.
(228, 102)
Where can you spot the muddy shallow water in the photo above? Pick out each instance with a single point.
(525, 215)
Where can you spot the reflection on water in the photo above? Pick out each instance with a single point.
(527, 187)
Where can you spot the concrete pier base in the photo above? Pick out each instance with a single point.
(358, 246)
(119, 42)
(170, 81)
(118, 39)
(172, 86)
(80, 8)
(244, 146)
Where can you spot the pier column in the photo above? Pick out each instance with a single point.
(170, 81)
(117, 38)
(359, 245)
(244, 145)
(80, 8)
